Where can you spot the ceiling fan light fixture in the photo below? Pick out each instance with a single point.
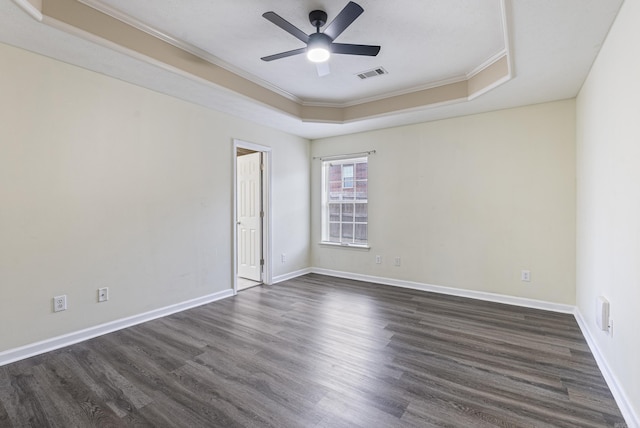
(318, 48)
(318, 54)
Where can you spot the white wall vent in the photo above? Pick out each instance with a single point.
(602, 313)
(372, 73)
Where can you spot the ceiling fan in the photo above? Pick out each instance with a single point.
(320, 46)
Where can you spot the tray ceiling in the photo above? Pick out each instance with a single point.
(488, 54)
(423, 42)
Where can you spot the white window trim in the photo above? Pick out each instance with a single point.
(346, 245)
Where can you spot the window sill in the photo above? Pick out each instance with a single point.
(365, 247)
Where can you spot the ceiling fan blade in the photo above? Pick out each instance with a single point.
(349, 49)
(323, 68)
(346, 16)
(286, 26)
(284, 54)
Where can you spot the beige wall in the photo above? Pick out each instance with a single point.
(608, 201)
(467, 202)
(106, 184)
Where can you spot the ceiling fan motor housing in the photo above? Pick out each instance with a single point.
(319, 40)
(318, 18)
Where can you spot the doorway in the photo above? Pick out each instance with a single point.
(251, 215)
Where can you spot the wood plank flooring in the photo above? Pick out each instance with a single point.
(318, 351)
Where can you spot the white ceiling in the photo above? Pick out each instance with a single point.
(552, 45)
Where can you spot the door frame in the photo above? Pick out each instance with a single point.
(267, 274)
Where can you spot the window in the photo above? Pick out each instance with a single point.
(344, 201)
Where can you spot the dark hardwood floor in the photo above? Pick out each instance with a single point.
(318, 351)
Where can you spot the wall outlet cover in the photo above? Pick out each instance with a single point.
(60, 303)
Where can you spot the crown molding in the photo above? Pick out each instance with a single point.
(387, 95)
(32, 7)
(486, 64)
(185, 46)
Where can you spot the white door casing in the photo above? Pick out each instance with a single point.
(249, 219)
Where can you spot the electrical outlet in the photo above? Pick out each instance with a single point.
(610, 327)
(396, 262)
(103, 294)
(525, 276)
(60, 303)
(378, 260)
(283, 258)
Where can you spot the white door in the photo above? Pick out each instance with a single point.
(249, 218)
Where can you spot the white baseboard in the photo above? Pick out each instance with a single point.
(629, 414)
(290, 275)
(47, 345)
(479, 295)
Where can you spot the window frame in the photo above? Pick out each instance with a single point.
(327, 202)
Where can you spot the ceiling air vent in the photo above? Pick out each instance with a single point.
(372, 73)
